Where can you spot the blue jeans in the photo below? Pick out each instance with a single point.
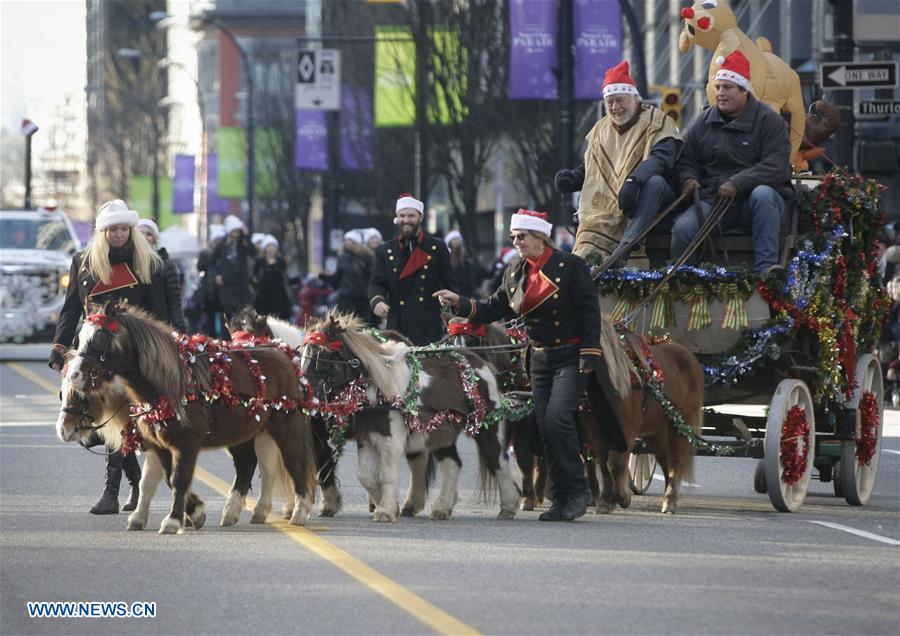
(655, 196)
(762, 213)
(557, 387)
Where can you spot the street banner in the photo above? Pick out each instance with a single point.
(395, 77)
(140, 192)
(598, 44)
(214, 203)
(183, 197)
(532, 49)
(356, 129)
(231, 148)
(311, 142)
(267, 153)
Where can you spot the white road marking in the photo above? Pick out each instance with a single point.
(859, 533)
(686, 484)
(891, 450)
(15, 424)
(33, 446)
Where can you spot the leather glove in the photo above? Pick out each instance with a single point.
(689, 185)
(728, 190)
(628, 196)
(588, 362)
(566, 181)
(57, 361)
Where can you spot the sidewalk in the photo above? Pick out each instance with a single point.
(10, 352)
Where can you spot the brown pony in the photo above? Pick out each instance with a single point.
(126, 343)
(643, 417)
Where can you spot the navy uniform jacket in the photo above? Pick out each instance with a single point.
(569, 310)
(414, 312)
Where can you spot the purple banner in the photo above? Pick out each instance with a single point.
(311, 144)
(183, 185)
(598, 44)
(357, 125)
(214, 203)
(532, 54)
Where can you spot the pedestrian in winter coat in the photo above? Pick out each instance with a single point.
(351, 278)
(737, 151)
(406, 272)
(273, 296)
(174, 305)
(465, 270)
(118, 264)
(231, 264)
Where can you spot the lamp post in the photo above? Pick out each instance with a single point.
(158, 17)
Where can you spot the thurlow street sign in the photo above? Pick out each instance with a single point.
(881, 108)
(850, 75)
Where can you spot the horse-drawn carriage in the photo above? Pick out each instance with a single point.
(802, 346)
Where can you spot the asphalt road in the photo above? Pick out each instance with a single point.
(726, 563)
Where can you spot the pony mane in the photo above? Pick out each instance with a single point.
(617, 361)
(159, 361)
(285, 331)
(383, 360)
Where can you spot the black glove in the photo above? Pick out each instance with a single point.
(628, 196)
(566, 181)
(588, 362)
(57, 361)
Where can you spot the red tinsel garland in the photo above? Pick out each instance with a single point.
(867, 442)
(794, 457)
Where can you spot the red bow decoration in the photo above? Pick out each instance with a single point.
(540, 215)
(100, 320)
(320, 339)
(466, 329)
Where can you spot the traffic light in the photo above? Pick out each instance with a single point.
(670, 101)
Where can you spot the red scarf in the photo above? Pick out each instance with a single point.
(120, 277)
(416, 260)
(538, 288)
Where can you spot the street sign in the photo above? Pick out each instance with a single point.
(878, 108)
(318, 80)
(850, 75)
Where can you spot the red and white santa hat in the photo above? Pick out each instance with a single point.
(531, 220)
(618, 80)
(409, 201)
(735, 68)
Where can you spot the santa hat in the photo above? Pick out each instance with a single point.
(216, 231)
(531, 220)
(150, 225)
(354, 236)
(507, 254)
(409, 201)
(735, 68)
(452, 234)
(233, 223)
(257, 239)
(371, 232)
(618, 81)
(267, 240)
(116, 212)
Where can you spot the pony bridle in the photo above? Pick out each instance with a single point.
(85, 419)
(108, 329)
(319, 342)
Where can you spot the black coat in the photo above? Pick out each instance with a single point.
(150, 297)
(414, 312)
(174, 306)
(570, 312)
(273, 296)
(351, 281)
(231, 261)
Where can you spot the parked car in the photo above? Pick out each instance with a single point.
(36, 248)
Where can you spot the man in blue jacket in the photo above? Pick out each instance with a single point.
(739, 151)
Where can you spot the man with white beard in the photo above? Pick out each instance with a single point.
(622, 180)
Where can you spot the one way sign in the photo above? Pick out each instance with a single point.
(850, 75)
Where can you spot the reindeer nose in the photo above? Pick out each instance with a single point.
(687, 13)
(703, 23)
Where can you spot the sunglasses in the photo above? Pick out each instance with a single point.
(518, 236)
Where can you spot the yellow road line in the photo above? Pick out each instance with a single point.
(28, 374)
(413, 604)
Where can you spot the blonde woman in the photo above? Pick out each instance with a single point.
(118, 264)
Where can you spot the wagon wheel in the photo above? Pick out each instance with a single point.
(836, 481)
(859, 457)
(641, 468)
(790, 445)
(759, 477)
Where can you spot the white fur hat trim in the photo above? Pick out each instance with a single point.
(116, 212)
(617, 89)
(268, 240)
(150, 225)
(734, 78)
(528, 222)
(409, 202)
(452, 234)
(355, 236)
(233, 223)
(371, 232)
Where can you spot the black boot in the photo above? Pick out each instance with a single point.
(576, 507)
(133, 475)
(109, 501)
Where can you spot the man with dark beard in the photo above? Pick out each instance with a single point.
(406, 272)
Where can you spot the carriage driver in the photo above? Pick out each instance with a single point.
(553, 292)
